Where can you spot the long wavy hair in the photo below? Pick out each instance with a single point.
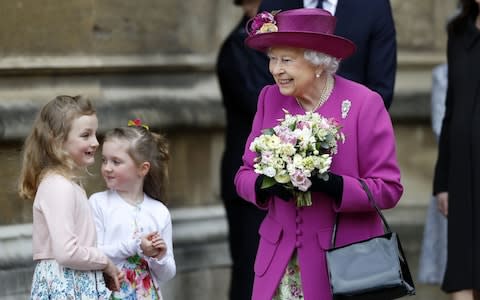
(43, 149)
(146, 146)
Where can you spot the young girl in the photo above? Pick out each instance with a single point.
(134, 227)
(56, 153)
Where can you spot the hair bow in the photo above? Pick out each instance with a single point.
(137, 123)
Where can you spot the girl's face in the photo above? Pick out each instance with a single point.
(119, 170)
(294, 75)
(82, 141)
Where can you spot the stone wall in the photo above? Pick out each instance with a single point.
(113, 28)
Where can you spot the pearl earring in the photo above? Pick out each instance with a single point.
(317, 75)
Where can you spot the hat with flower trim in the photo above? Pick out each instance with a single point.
(308, 28)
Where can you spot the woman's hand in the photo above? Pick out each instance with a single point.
(333, 186)
(113, 276)
(442, 201)
(275, 190)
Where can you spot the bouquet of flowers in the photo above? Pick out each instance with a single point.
(299, 147)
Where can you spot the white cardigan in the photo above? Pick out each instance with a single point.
(120, 226)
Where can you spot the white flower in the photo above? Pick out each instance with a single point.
(324, 163)
(282, 177)
(269, 171)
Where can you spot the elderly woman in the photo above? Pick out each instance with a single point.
(304, 55)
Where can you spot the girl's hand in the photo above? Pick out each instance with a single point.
(159, 244)
(113, 276)
(147, 245)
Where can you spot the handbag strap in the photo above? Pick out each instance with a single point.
(372, 202)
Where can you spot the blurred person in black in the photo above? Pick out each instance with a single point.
(457, 170)
(242, 72)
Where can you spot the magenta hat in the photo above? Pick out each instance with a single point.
(308, 28)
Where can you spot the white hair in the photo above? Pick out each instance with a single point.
(329, 63)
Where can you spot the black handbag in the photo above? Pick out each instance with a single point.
(371, 269)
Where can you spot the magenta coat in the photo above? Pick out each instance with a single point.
(368, 153)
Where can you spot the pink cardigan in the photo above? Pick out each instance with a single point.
(368, 153)
(63, 227)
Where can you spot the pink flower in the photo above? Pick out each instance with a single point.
(261, 23)
(285, 135)
(302, 125)
(300, 180)
(267, 157)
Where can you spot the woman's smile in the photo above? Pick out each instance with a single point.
(284, 81)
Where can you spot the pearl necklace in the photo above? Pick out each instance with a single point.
(326, 91)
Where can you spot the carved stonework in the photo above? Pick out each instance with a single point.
(113, 27)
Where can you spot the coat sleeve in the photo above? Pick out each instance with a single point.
(246, 176)
(382, 54)
(440, 178)
(377, 160)
(56, 197)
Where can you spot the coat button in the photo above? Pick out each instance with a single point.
(298, 244)
(298, 232)
(298, 220)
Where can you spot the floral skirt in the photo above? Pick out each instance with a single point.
(290, 287)
(56, 282)
(138, 282)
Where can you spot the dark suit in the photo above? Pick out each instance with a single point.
(242, 73)
(369, 24)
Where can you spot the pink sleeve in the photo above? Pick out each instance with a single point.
(57, 199)
(246, 176)
(377, 161)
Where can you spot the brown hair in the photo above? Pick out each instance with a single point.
(43, 148)
(147, 146)
(468, 13)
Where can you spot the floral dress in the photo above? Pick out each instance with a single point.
(290, 287)
(56, 282)
(138, 282)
